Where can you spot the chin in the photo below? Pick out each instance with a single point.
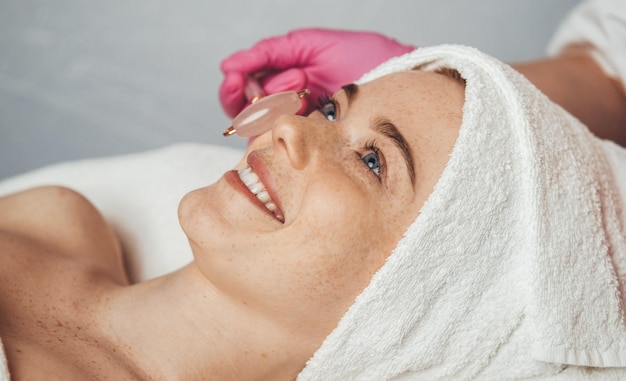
(200, 215)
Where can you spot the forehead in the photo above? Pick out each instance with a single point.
(416, 101)
(407, 86)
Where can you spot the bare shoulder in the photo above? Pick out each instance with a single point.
(59, 264)
(62, 223)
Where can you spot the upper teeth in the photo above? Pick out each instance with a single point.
(255, 186)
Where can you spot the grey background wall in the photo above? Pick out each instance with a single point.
(88, 79)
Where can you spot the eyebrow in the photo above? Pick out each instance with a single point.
(386, 128)
(351, 91)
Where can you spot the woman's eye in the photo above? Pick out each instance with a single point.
(372, 160)
(328, 108)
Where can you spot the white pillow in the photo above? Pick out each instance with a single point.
(139, 194)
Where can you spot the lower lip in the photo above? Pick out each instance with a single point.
(233, 179)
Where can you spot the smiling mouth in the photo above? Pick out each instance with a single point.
(255, 186)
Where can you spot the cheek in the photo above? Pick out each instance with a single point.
(350, 231)
(338, 253)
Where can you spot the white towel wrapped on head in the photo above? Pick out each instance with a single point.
(515, 267)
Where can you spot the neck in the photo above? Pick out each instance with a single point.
(180, 327)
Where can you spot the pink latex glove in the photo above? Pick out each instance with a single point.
(321, 60)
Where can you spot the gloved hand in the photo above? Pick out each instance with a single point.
(321, 60)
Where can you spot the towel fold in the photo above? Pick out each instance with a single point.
(515, 267)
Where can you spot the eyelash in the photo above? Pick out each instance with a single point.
(372, 149)
(326, 102)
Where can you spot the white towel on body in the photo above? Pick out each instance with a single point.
(515, 267)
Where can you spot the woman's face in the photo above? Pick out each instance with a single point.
(347, 181)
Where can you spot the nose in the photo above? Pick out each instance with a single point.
(290, 135)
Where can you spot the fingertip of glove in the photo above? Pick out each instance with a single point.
(290, 79)
(242, 61)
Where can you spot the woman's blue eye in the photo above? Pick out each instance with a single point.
(373, 162)
(328, 108)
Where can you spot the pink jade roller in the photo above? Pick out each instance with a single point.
(259, 117)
